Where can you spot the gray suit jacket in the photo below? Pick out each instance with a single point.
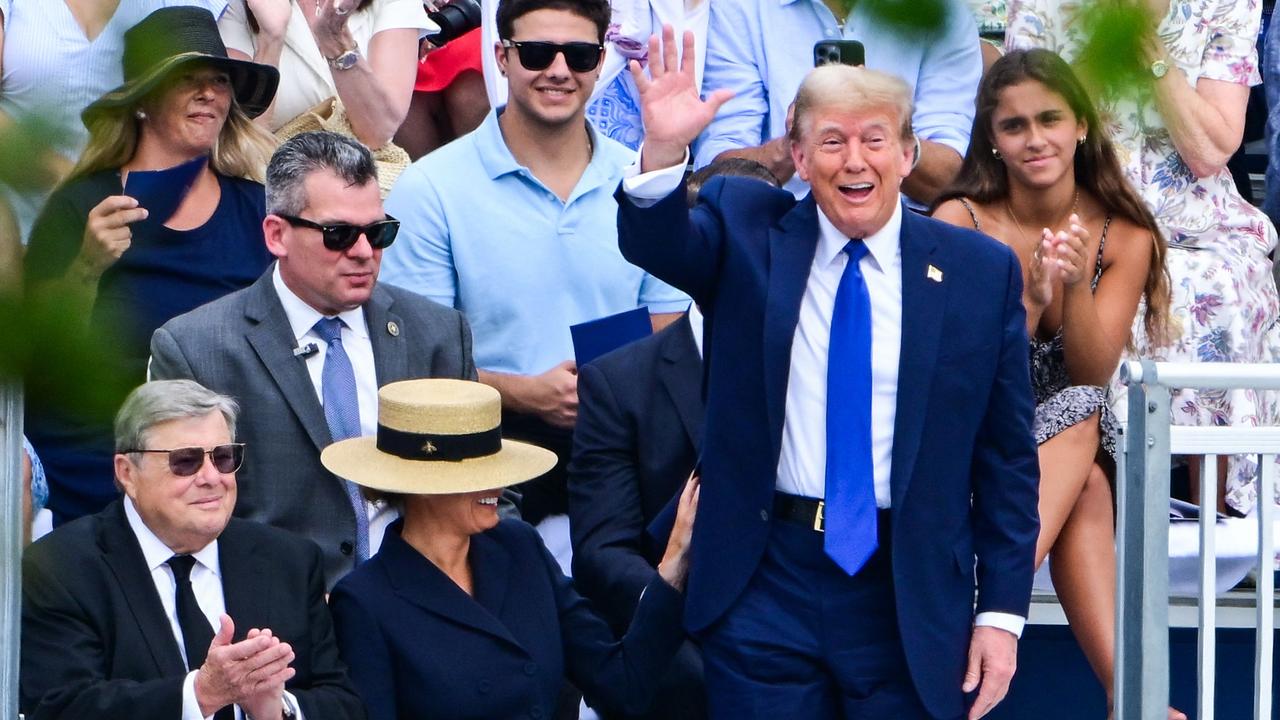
(241, 345)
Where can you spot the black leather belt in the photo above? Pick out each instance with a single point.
(800, 510)
(810, 512)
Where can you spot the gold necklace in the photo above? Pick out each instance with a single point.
(1023, 233)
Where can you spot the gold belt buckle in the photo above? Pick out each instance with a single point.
(818, 519)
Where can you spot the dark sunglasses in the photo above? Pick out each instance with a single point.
(535, 55)
(187, 461)
(341, 236)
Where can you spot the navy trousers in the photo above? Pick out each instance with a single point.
(806, 640)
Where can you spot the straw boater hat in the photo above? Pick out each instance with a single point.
(172, 37)
(437, 437)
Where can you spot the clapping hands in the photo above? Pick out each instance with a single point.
(1059, 257)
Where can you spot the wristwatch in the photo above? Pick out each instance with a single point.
(1159, 68)
(346, 60)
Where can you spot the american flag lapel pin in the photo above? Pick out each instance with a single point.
(934, 274)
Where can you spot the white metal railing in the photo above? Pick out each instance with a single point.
(1142, 607)
(11, 531)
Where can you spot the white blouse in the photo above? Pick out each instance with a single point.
(305, 76)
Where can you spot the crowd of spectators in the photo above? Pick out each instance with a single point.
(265, 294)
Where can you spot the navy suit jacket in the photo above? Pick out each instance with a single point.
(964, 479)
(420, 647)
(96, 642)
(639, 429)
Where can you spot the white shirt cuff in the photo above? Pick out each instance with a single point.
(645, 189)
(1004, 621)
(190, 706)
(291, 704)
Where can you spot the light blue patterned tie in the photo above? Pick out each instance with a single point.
(850, 513)
(342, 413)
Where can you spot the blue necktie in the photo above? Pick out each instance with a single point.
(850, 511)
(342, 413)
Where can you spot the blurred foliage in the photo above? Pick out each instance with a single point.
(909, 17)
(1113, 58)
(65, 367)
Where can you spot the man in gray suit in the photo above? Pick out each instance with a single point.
(306, 347)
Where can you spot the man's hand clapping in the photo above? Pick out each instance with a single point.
(250, 673)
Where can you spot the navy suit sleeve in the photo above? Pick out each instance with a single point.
(64, 663)
(365, 652)
(616, 675)
(329, 694)
(1006, 471)
(605, 512)
(676, 245)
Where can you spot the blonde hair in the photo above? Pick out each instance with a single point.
(851, 89)
(242, 149)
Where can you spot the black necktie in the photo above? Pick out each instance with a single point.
(197, 633)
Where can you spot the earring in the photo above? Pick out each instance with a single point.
(996, 154)
(1080, 140)
(140, 115)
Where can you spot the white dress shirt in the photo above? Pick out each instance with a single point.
(695, 324)
(206, 583)
(355, 340)
(803, 458)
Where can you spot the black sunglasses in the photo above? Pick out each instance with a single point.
(341, 236)
(187, 461)
(535, 55)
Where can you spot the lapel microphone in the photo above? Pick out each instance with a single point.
(306, 351)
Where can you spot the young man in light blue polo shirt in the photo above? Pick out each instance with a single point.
(515, 224)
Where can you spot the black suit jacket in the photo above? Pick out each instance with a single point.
(242, 345)
(420, 647)
(96, 642)
(639, 429)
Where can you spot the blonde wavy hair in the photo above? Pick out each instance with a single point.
(242, 149)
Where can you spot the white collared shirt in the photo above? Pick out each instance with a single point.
(803, 458)
(695, 324)
(206, 583)
(355, 340)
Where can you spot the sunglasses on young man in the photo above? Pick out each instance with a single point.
(537, 55)
(341, 236)
(187, 461)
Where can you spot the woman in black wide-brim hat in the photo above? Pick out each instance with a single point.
(124, 265)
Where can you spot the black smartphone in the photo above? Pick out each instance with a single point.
(843, 52)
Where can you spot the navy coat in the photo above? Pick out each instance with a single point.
(964, 479)
(419, 647)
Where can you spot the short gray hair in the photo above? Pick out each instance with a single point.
(163, 400)
(309, 152)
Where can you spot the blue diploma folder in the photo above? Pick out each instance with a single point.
(594, 338)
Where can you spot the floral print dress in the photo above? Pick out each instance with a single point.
(1224, 305)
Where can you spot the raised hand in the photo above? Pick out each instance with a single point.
(272, 16)
(328, 25)
(674, 567)
(670, 107)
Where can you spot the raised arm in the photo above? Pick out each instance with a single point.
(1206, 119)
